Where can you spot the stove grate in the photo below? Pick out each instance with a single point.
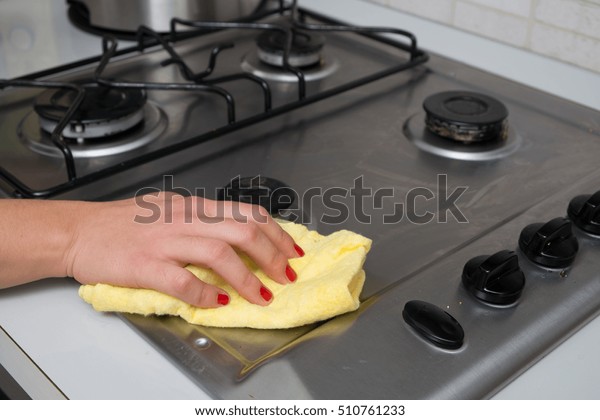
(202, 82)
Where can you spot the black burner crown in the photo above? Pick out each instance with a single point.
(466, 116)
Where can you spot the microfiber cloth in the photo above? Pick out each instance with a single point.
(330, 279)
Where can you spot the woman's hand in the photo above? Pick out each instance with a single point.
(145, 243)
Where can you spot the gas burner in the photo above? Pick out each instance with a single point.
(307, 53)
(108, 122)
(305, 49)
(466, 116)
(270, 193)
(104, 111)
(464, 126)
(155, 122)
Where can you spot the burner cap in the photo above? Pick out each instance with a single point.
(269, 193)
(466, 116)
(104, 111)
(305, 50)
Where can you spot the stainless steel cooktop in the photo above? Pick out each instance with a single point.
(430, 205)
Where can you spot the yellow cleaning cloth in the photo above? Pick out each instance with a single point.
(330, 279)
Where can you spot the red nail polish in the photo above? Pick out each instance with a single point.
(299, 250)
(266, 294)
(222, 299)
(290, 273)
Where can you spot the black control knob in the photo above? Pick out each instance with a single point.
(584, 212)
(551, 245)
(434, 324)
(269, 193)
(495, 279)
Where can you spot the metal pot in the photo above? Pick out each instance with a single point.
(128, 15)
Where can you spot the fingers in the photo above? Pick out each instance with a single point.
(252, 240)
(182, 284)
(188, 210)
(223, 260)
(251, 214)
(207, 233)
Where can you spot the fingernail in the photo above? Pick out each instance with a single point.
(291, 274)
(299, 250)
(266, 294)
(222, 299)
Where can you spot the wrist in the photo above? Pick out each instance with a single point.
(36, 237)
(56, 225)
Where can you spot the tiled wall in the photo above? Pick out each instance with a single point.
(568, 30)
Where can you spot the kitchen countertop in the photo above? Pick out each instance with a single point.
(55, 346)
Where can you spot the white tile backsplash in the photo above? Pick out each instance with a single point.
(576, 49)
(567, 30)
(440, 11)
(582, 17)
(485, 21)
(515, 7)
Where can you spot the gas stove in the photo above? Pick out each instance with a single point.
(480, 194)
